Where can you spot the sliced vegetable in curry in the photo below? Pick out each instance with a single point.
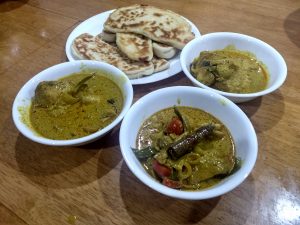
(75, 106)
(186, 148)
(230, 70)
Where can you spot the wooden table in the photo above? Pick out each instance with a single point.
(92, 184)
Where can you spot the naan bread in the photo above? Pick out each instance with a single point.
(87, 46)
(157, 24)
(163, 51)
(160, 64)
(134, 46)
(108, 37)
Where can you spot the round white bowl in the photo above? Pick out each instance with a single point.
(265, 53)
(23, 99)
(222, 108)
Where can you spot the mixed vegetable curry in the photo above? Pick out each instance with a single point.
(230, 70)
(186, 148)
(75, 106)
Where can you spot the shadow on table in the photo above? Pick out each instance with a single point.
(176, 80)
(146, 206)
(292, 27)
(110, 155)
(66, 167)
(9, 5)
(251, 107)
(271, 109)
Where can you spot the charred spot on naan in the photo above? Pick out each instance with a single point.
(87, 46)
(134, 46)
(157, 24)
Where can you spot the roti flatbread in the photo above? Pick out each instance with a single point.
(157, 24)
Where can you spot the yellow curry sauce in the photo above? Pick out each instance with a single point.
(74, 106)
(205, 164)
(230, 70)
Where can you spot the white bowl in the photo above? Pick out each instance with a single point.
(225, 110)
(23, 99)
(265, 53)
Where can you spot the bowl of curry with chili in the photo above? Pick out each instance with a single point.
(188, 143)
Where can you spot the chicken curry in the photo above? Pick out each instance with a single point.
(230, 70)
(74, 106)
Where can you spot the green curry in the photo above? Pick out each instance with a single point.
(230, 70)
(186, 148)
(74, 106)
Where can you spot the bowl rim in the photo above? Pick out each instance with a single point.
(90, 64)
(188, 195)
(279, 81)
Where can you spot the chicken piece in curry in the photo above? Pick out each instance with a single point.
(230, 70)
(75, 106)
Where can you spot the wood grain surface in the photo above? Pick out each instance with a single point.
(91, 184)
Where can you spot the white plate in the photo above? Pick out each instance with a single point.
(94, 26)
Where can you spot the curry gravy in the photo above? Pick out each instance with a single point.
(230, 70)
(74, 106)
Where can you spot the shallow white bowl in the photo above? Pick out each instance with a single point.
(23, 99)
(265, 53)
(225, 110)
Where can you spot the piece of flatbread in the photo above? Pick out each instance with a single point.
(163, 51)
(91, 47)
(160, 64)
(157, 24)
(135, 46)
(108, 37)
